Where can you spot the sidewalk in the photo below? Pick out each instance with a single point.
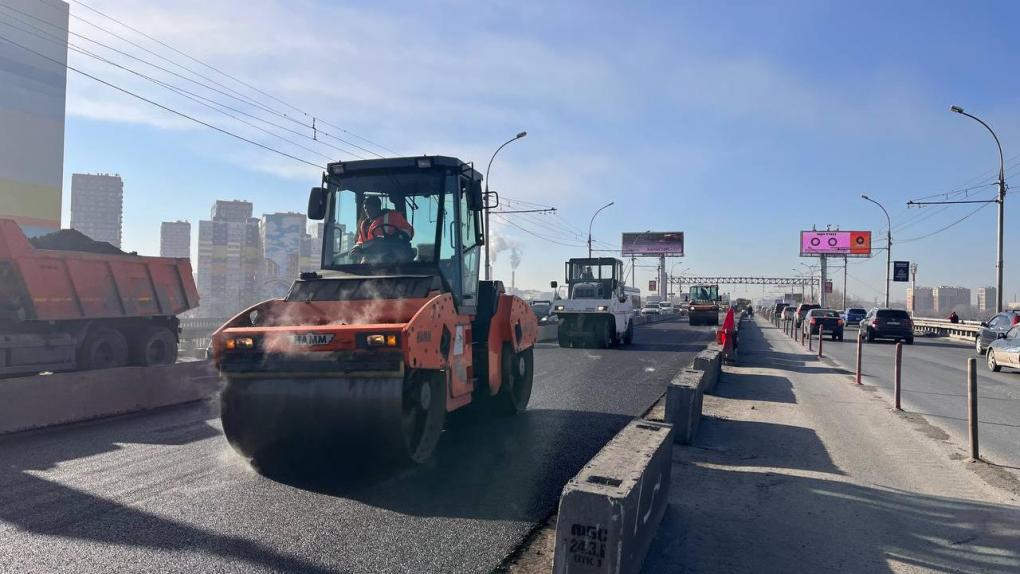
(798, 470)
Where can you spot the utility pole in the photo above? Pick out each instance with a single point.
(821, 287)
(663, 289)
(913, 288)
(844, 281)
(1002, 203)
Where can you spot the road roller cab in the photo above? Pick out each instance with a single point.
(392, 333)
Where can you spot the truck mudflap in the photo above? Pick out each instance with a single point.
(395, 419)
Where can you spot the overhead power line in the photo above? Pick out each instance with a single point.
(234, 78)
(941, 229)
(222, 88)
(161, 106)
(510, 222)
(202, 100)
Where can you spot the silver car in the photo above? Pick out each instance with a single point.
(1005, 351)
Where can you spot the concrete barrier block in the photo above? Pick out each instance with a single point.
(46, 400)
(684, 397)
(548, 332)
(710, 361)
(609, 513)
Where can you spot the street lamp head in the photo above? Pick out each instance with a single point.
(864, 196)
(956, 109)
(521, 134)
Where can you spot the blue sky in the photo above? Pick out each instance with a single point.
(739, 123)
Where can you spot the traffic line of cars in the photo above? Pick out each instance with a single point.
(998, 338)
(876, 324)
(655, 308)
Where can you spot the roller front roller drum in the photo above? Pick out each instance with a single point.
(397, 420)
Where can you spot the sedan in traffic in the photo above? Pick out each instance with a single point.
(994, 328)
(892, 324)
(854, 315)
(1005, 350)
(828, 320)
(650, 309)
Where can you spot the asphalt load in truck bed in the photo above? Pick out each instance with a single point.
(164, 491)
(74, 240)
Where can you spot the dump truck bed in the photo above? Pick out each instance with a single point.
(85, 281)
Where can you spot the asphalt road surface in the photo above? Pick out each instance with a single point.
(934, 384)
(163, 492)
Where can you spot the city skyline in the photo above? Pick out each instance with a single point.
(895, 121)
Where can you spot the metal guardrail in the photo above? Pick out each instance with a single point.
(961, 330)
(201, 324)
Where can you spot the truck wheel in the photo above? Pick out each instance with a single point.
(154, 346)
(608, 332)
(563, 339)
(518, 375)
(104, 348)
(628, 335)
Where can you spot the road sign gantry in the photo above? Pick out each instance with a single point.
(778, 281)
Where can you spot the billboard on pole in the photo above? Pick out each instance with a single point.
(668, 243)
(842, 243)
(901, 271)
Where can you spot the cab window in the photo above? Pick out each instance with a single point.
(469, 232)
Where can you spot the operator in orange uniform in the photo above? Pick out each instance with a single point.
(381, 222)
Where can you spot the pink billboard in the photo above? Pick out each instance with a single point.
(841, 243)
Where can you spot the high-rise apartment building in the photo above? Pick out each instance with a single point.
(97, 206)
(318, 229)
(234, 210)
(286, 248)
(986, 299)
(920, 300)
(947, 298)
(175, 239)
(230, 262)
(33, 84)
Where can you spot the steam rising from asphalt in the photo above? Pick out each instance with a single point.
(311, 313)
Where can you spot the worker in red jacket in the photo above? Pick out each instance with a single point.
(379, 222)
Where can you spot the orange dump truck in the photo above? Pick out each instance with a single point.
(69, 303)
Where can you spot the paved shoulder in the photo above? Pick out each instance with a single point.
(798, 470)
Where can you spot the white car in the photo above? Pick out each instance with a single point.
(666, 308)
(650, 309)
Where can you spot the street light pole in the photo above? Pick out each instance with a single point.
(488, 266)
(811, 275)
(593, 221)
(888, 246)
(1001, 201)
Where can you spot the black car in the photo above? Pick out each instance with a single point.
(892, 324)
(992, 328)
(827, 319)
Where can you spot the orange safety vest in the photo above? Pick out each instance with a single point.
(375, 228)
